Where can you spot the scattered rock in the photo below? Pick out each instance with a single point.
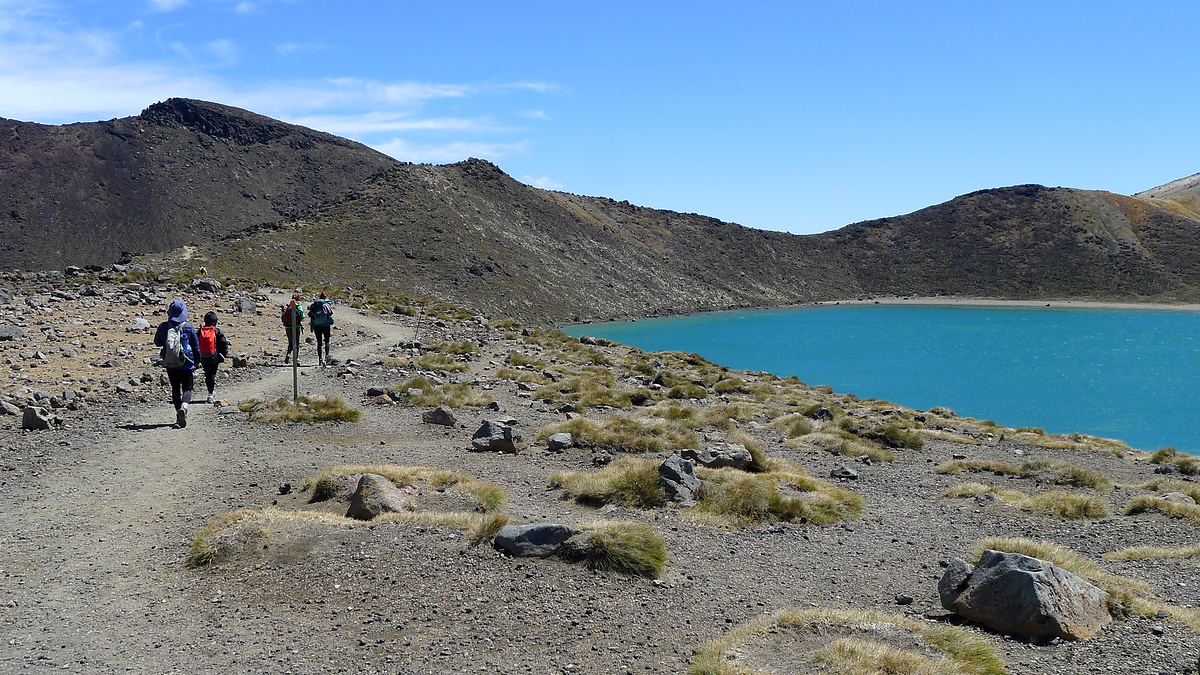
(375, 495)
(494, 435)
(372, 392)
(244, 305)
(536, 540)
(821, 414)
(35, 418)
(439, 415)
(676, 477)
(206, 284)
(844, 472)
(7, 408)
(11, 333)
(138, 324)
(719, 455)
(1178, 497)
(1015, 593)
(1167, 468)
(559, 442)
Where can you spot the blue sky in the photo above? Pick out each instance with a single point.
(797, 116)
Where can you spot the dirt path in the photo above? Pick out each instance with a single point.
(93, 566)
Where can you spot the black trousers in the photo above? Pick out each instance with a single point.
(322, 334)
(210, 372)
(181, 381)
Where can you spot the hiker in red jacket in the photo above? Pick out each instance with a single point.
(214, 348)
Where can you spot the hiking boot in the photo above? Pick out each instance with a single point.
(181, 418)
(287, 359)
(209, 399)
(320, 360)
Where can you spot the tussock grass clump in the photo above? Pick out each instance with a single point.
(526, 376)
(627, 480)
(1051, 504)
(1062, 474)
(724, 415)
(852, 642)
(458, 395)
(629, 548)
(1171, 485)
(625, 433)
(1189, 465)
(443, 362)
(1150, 552)
(685, 391)
(1082, 442)
(325, 485)
(734, 498)
(957, 466)
(1147, 503)
(459, 348)
(305, 409)
(952, 437)
(841, 443)
(519, 359)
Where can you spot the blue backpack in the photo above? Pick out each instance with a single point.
(322, 313)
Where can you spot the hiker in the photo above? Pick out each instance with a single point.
(293, 332)
(320, 319)
(214, 348)
(180, 349)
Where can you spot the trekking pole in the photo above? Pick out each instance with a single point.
(296, 354)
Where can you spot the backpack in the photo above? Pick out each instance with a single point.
(322, 313)
(174, 353)
(208, 340)
(286, 316)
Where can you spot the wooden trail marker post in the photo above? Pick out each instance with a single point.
(295, 328)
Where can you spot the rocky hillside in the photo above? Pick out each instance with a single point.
(181, 172)
(275, 203)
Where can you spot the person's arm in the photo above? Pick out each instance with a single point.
(160, 335)
(222, 343)
(189, 332)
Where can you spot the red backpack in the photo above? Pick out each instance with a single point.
(208, 340)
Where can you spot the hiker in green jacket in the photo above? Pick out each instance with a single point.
(293, 311)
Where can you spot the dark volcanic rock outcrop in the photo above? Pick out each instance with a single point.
(181, 172)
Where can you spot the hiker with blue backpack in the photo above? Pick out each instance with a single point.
(320, 318)
(180, 352)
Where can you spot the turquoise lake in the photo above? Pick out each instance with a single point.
(1126, 374)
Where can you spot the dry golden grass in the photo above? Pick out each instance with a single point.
(1150, 552)
(841, 443)
(627, 480)
(491, 497)
(619, 546)
(1163, 485)
(877, 645)
(235, 530)
(944, 435)
(443, 362)
(732, 498)
(457, 395)
(626, 433)
(1060, 473)
(1146, 503)
(1053, 504)
(305, 409)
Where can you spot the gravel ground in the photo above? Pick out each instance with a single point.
(100, 512)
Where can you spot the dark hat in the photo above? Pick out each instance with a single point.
(210, 319)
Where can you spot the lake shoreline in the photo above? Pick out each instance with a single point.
(959, 301)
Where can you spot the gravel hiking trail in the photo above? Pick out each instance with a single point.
(93, 574)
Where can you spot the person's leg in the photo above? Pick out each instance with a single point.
(176, 387)
(186, 383)
(210, 376)
(326, 330)
(291, 339)
(322, 335)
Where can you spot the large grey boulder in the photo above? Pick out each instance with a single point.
(244, 305)
(559, 442)
(439, 415)
(677, 479)
(206, 284)
(11, 333)
(537, 540)
(1015, 593)
(494, 435)
(718, 455)
(7, 408)
(35, 418)
(375, 495)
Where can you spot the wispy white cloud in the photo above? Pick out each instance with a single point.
(167, 5)
(246, 8)
(292, 48)
(456, 151)
(389, 122)
(534, 114)
(543, 182)
(224, 50)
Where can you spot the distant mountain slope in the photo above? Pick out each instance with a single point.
(284, 204)
(470, 234)
(1028, 241)
(1181, 196)
(180, 172)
